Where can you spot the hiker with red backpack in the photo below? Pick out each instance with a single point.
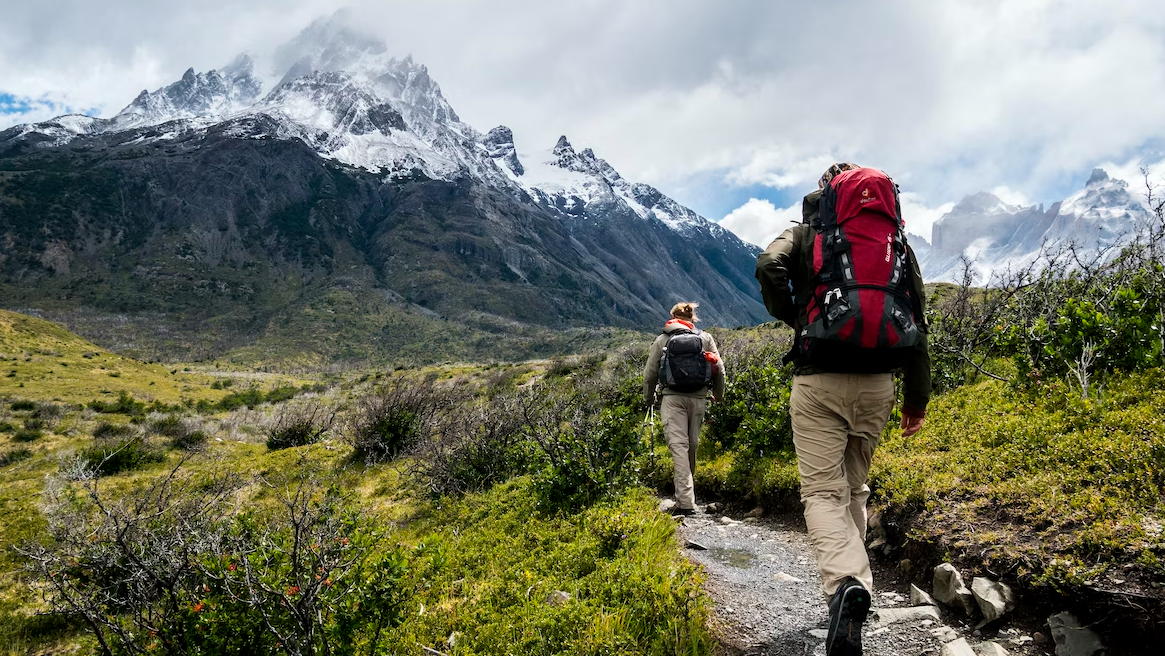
(685, 364)
(849, 285)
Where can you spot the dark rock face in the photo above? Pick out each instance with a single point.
(214, 235)
(499, 145)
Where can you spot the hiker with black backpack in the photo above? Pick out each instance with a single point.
(849, 285)
(685, 364)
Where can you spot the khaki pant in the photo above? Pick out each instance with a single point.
(837, 422)
(682, 416)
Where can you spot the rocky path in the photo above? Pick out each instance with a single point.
(763, 581)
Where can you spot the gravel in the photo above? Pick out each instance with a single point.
(762, 577)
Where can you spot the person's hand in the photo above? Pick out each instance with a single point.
(911, 425)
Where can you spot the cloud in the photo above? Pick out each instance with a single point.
(919, 216)
(950, 97)
(759, 221)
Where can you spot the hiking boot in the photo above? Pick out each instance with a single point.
(847, 611)
(685, 512)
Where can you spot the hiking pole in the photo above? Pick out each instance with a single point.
(649, 419)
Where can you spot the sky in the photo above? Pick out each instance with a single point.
(733, 108)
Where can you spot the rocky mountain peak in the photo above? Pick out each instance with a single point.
(1099, 176)
(196, 95)
(499, 146)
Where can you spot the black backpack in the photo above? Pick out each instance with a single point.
(683, 367)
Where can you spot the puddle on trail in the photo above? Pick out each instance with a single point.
(741, 558)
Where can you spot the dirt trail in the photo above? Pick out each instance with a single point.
(767, 599)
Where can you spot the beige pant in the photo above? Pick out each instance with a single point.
(837, 422)
(682, 416)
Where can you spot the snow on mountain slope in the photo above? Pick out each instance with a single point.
(996, 236)
(214, 94)
(345, 96)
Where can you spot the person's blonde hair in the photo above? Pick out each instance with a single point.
(685, 311)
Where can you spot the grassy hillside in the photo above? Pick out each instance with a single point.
(41, 360)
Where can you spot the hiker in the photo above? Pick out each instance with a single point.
(849, 285)
(685, 363)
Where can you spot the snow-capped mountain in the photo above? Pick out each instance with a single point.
(212, 95)
(994, 235)
(344, 95)
(240, 195)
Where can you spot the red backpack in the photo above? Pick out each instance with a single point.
(860, 313)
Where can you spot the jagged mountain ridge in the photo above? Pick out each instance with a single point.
(996, 236)
(211, 202)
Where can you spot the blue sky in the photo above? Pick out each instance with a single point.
(716, 104)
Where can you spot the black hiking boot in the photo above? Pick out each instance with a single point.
(847, 611)
(685, 512)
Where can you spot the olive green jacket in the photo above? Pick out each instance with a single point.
(784, 268)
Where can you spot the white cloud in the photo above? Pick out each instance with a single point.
(759, 221)
(950, 97)
(919, 216)
(1011, 196)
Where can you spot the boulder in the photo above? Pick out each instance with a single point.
(667, 505)
(887, 616)
(957, 648)
(756, 512)
(713, 508)
(949, 589)
(995, 599)
(990, 648)
(919, 597)
(1071, 638)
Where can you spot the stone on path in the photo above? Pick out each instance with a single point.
(919, 597)
(820, 634)
(991, 649)
(786, 578)
(667, 505)
(950, 589)
(692, 544)
(713, 508)
(995, 599)
(887, 616)
(756, 512)
(1071, 638)
(957, 648)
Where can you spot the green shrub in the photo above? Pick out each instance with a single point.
(1041, 474)
(125, 454)
(175, 569)
(26, 435)
(395, 418)
(191, 440)
(6, 427)
(23, 405)
(753, 416)
(299, 425)
(125, 405)
(106, 430)
(34, 424)
(14, 456)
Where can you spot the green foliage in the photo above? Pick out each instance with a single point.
(14, 456)
(1116, 333)
(395, 418)
(27, 435)
(299, 425)
(753, 416)
(485, 567)
(125, 405)
(1039, 474)
(23, 405)
(105, 430)
(122, 455)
